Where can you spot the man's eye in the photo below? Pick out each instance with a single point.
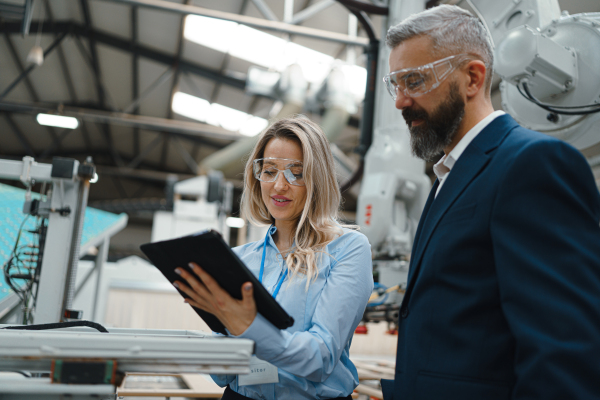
(414, 81)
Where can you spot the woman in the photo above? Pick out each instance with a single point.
(320, 272)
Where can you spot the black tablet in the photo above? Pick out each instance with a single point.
(209, 251)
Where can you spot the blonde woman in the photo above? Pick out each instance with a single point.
(317, 270)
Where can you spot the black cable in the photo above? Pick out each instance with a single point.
(558, 109)
(366, 7)
(24, 373)
(58, 325)
(530, 97)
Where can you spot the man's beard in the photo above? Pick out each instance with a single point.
(435, 133)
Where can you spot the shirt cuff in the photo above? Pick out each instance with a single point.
(269, 340)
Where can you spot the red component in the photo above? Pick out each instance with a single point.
(368, 214)
(392, 332)
(361, 330)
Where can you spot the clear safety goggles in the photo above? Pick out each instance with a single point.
(415, 82)
(268, 169)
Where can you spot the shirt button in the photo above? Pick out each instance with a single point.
(404, 313)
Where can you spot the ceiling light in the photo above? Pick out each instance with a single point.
(234, 222)
(58, 121)
(218, 115)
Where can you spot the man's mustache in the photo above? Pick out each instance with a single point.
(410, 115)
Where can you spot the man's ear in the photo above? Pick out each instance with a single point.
(476, 72)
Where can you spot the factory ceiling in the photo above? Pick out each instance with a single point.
(118, 66)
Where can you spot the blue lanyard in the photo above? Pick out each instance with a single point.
(262, 267)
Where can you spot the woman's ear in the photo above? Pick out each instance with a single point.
(476, 72)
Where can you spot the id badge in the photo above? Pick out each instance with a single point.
(260, 372)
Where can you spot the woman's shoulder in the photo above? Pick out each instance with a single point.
(247, 248)
(349, 237)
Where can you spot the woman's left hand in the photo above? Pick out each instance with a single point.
(207, 294)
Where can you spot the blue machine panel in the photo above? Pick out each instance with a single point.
(95, 224)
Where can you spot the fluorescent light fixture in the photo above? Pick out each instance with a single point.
(233, 222)
(217, 114)
(59, 121)
(267, 50)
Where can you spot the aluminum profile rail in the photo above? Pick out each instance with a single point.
(153, 351)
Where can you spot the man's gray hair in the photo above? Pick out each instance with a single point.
(453, 31)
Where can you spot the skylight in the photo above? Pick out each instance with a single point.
(217, 114)
(266, 50)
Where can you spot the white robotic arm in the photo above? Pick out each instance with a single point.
(550, 68)
(553, 56)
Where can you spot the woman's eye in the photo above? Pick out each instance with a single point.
(269, 172)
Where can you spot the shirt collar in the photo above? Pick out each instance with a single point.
(446, 163)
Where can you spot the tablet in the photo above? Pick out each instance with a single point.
(209, 251)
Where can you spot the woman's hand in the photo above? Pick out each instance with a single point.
(236, 315)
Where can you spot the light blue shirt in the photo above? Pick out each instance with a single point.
(312, 356)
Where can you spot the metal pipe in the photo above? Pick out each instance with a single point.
(245, 20)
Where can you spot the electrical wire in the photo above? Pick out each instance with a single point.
(565, 110)
(24, 264)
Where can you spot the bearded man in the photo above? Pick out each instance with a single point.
(503, 295)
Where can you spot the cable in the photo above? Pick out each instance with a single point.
(558, 109)
(59, 325)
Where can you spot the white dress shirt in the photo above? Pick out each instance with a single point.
(443, 167)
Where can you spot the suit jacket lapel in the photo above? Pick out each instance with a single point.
(471, 162)
(426, 209)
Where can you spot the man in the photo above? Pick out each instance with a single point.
(503, 295)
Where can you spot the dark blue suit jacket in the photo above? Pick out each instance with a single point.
(503, 295)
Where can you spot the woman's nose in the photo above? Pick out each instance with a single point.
(281, 183)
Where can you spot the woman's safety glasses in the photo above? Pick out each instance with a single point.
(415, 82)
(268, 169)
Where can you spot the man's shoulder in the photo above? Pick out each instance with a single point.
(524, 142)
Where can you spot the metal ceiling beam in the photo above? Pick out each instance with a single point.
(61, 56)
(145, 152)
(311, 11)
(32, 92)
(181, 128)
(159, 81)
(225, 62)
(67, 75)
(27, 70)
(105, 128)
(134, 48)
(19, 134)
(265, 10)
(245, 20)
(174, 86)
(50, 150)
(135, 72)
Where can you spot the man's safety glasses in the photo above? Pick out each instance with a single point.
(268, 169)
(415, 82)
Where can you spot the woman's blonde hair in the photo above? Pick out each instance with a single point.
(317, 225)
